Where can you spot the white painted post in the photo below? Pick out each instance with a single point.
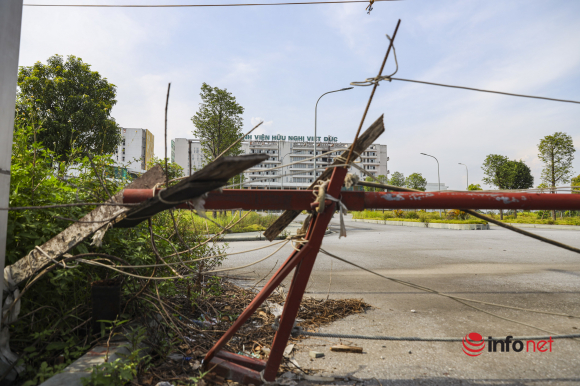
(10, 22)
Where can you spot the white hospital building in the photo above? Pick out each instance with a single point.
(283, 152)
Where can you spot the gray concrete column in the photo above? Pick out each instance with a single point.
(10, 22)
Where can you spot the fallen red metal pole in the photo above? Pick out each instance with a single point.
(301, 200)
(246, 370)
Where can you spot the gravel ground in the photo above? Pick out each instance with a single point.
(493, 265)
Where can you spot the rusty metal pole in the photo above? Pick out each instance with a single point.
(362, 121)
(300, 280)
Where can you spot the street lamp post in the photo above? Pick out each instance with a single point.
(467, 171)
(438, 175)
(315, 119)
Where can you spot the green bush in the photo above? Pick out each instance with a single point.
(411, 215)
(55, 310)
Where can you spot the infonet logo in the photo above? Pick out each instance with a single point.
(474, 345)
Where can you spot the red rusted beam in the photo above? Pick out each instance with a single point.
(471, 200)
(302, 200)
(234, 371)
(303, 261)
(301, 277)
(251, 363)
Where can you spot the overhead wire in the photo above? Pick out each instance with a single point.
(372, 81)
(198, 5)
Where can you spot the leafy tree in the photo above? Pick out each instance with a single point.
(367, 188)
(496, 174)
(474, 187)
(416, 181)
(557, 153)
(383, 179)
(398, 179)
(519, 177)
(73, 105)
(495, 171)
(575, 181)
(218, 122)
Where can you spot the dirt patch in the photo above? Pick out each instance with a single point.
(204, 320)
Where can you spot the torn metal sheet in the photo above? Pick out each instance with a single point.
(212, 177)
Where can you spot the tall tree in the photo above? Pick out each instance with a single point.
(519, 176)
(398, 179)
(73, 105)
(557, 153)
(416, 181)
(495, 172)
(218, 122)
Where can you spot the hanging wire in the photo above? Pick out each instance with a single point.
(199, 5)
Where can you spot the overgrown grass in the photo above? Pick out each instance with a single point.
(456, 217)
(251, 223)
(452, 217)
(537, 218)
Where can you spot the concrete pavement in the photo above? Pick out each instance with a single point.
(495, 266)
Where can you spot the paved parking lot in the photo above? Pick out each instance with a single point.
(494, 265)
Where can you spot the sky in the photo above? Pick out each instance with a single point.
(278, 60)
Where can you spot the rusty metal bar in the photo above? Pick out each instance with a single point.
(303, 261)
(300, 280)
(362, 121)
(302, 200)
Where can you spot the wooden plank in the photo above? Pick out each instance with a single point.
(345, 348)
(365, 140)
(77, 232)
(211, 177)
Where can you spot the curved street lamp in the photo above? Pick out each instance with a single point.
(438, 176)
(315, 119)
(467, 171)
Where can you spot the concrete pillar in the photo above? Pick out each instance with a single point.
(10, 22)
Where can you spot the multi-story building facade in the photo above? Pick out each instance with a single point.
(284, 155)
(187, 154)
(136, 149)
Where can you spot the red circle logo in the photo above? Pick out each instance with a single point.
(473, 344)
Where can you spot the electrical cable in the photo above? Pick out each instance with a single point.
(426, 289)
(372, 81)
(197, 5)
(88, 262)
